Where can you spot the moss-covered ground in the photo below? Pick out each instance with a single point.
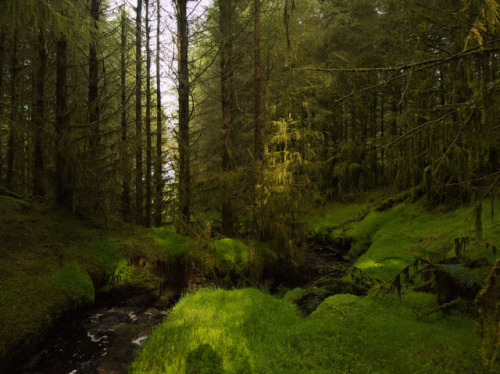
(249, 331)
(51, 262)
(387, 240)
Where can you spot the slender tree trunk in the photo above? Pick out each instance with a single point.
(147, 220)
(39, 116)
(139, 198)
(2, 63)
(256, 117)
(227, 98)
(93, 102)
(373, 135)
(63, 193)
(382, 129)
(14, 116)
(159, 159)
(125, 155)
(257, 81)
(183, 137)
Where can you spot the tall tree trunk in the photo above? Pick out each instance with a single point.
(159, 159)
(257, 81)
(63, 193)
(125, 155)
(382, 129)
(2, 63)
(227, 98)
(183, 137)
(256, 116)
(14, 116)
(147, 220)
(373, 135)
(139, 194)
(39, 116)
(93, 102)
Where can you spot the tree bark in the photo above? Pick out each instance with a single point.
(257, 83)
(139, 194)
(125, 155)
(256, 118)
(183, 137)
(39, 116)
(93, 102)
(159, 159)
(147, 220)
(2, 63)
(14, 116)
(63, 193)
(227, 98)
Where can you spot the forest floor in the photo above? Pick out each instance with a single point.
(52, 263)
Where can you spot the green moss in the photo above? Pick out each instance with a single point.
(172, 242)
(249, 331)
(293, 295)
(72, 280)
(232, 255)
(388, 240)
(48, 262)
(104, 253)
(334, 216)
(407, 230)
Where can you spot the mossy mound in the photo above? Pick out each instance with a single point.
(171, 242)
(232, 255)
(248, 331)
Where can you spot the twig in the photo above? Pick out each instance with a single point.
(441, 307)
(453, 142)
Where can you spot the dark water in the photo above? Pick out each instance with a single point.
(82, 343)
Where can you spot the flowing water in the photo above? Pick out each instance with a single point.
(102, 339)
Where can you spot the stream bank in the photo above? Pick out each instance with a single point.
(104, 338)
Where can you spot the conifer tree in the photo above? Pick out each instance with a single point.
(139, 194)
(184, 183)
(147, 221)
(159, 122)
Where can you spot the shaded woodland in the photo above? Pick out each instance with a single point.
(231, 120)
(280, 105)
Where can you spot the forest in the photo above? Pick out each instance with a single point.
(249, 186)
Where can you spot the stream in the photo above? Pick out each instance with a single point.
(101, 339)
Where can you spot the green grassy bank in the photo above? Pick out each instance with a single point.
(49, 264)
(388, 239)
(249, 331)
(52, 262)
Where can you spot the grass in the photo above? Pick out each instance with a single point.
(249, 331)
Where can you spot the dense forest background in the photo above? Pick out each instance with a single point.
(281, 105)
